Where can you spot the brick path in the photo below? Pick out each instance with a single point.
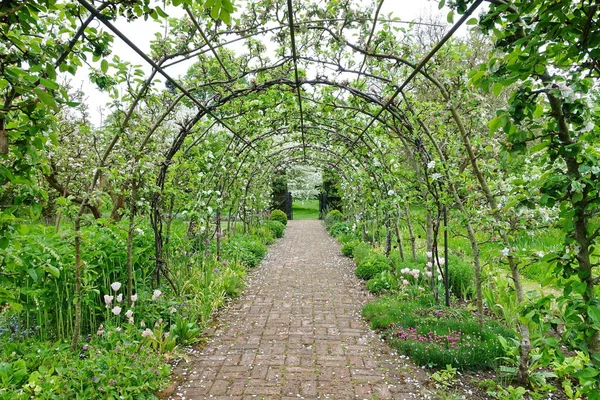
(297, 333)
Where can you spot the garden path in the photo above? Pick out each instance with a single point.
(296, 332)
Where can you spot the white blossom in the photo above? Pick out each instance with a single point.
(116, 310)
(108, 299)
(431, 164)
(505, 251)
(156, 294)
(115, 286)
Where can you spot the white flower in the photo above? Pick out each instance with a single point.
(588, 127)
(431, 164)
(156, 294)
(428, 274)
(116, 310)
(440, 278)
(540, 254)
(147, 332)
(118, 329)
(100, 331)
(435, 176)
(405, 282)
(115, 286)
(429, 254)
(139, 231)
(505, 251)
(129, 314)
(442, 261)
(133, 298)
(143, 324)
(391, 192)
(120, 298)
(108, 299)
(173, 310)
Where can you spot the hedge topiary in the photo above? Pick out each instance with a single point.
(333, 217)
(276, 227)
(278, 215)
(372, 265)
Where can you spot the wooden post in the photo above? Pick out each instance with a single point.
(3, 138)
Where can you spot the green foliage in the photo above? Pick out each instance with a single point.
(461, 278)
(184, 331)
(115, 365)
(361, 251)
(372, 265)
(382, 282)
(340, 228)
(276, 227)
(437, 336)
(348, 248)
(333, 217)
(278, 215)
(245, 249)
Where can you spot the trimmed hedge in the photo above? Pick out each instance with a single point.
(278, 215)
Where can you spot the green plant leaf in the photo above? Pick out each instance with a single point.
(45, 98)
(104, 65)
(48, 84)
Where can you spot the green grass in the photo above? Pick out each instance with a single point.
(306, 209)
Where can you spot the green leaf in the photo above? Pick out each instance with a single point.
(177, 3)
(50, 71)
(161, 12)
(214, 12)
(540, 69)
(497, 88)
(104, 66)
(587, 373)
(224, 16)
(45, 98)
(48, 84)
(594, 313)
(450, 17)
(577, 197)
(472, 21)
(52, 270)
(494, 124)
(441, 4)
(3, 83)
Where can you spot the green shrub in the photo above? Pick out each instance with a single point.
(264, 234)
(340, 228)
(245, 249)
(346, 237)
(382, 282)
(461, 278)
(372, 265)
(278, 215)
(333, 217)
(348, 248)
(276, 227)
(361, 251)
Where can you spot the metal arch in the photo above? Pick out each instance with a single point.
(154, 65)
(425, 60)
(295, 58)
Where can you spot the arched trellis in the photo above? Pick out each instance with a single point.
(209, 109)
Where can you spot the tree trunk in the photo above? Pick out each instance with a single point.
(130, 232)
(77, 289)
(411, 234)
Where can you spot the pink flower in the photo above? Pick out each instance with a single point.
(108, 299)
(134, 298)
(116, 310)
(120, 298)
(115, 286)
(147, 332)
(156, 294)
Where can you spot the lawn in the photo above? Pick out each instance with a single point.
(308, 209)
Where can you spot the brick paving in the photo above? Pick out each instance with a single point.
(296, 332)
